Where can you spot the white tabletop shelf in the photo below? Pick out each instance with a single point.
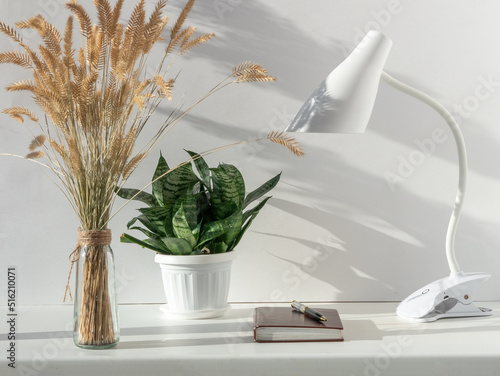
(377, 343)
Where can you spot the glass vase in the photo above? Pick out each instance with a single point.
(95, 306)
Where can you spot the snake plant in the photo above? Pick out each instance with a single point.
(195, 214)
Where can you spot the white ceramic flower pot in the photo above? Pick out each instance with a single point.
(196, 286)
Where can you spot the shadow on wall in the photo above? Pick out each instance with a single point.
(385, 239)
(256, 31)
(386, 249)
(399, 227)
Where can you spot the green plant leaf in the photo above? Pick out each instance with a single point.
(161, 168)
(255, 210)
(238, 180)
(132, 221)
(219, 247)
(146, 222)
(168, 227)
(205, 207)
(177, 246)
(177, 182)
(225, 209)
(158, 244)
(149, 234)
(242, 232)
(228, 185)
(181, 227)
(155, 219)
(128, 193)
(126, 238)
(215, 229)
(196, 231)
(191, 208)
(261, 191)
(212, 230)
(235, 228)
(202, 168)
(248, 217)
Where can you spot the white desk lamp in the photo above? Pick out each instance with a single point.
(343, 103)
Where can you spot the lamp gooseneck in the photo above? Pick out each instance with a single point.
(462, 162)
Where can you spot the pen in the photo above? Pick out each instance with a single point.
(308, 311)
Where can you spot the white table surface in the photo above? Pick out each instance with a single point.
(377, 343)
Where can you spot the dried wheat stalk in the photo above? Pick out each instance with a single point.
(283, 139)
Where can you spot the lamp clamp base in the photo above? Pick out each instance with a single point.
(445, 298)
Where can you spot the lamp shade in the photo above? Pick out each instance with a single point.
(343, 102)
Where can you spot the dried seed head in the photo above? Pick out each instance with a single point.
(35, 155)
(283, 139)
(164, 87)
(16, 112)
(59, 149)
(130, 167)
(37, 142)
(251, 72)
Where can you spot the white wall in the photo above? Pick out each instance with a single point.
(335, 230)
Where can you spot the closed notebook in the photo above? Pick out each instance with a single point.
(282, 324)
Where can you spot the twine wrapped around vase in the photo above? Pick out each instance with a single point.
(95, 299)
(85, 239)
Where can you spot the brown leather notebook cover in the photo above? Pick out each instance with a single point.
(283, 324)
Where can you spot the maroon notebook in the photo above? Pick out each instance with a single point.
(283, 324)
